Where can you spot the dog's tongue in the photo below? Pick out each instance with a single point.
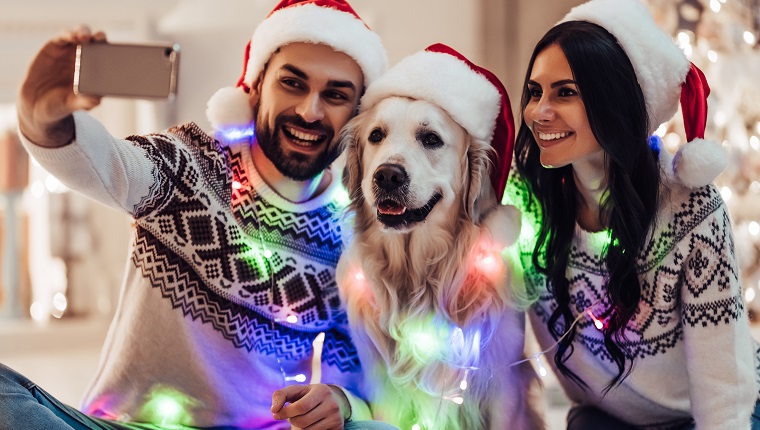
(390, 208)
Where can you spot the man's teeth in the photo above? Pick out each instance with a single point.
(303, 136)
(552, 136)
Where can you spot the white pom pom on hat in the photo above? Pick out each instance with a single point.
(666, 77)
(328, 22)
(229, 107)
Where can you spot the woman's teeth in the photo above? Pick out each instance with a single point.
(552, 136)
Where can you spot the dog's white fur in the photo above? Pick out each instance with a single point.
(432, 275)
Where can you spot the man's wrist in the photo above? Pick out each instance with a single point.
(347, 412)
(54, 135)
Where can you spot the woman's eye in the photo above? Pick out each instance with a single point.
(567, 92)
(376, 136)
(534, 93)
(431, 140)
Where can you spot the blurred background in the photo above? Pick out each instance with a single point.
(62, 256)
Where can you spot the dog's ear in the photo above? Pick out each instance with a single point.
(350, 142)
(480, 196)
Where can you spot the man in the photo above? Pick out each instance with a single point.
(231, 273)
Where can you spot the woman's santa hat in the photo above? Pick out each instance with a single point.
(666, 77)
(328, 22)
(473, 97)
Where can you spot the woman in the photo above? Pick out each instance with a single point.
(627, 252)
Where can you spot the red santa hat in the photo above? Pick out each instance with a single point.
(666, 78)
(473, 96)
(328, 22)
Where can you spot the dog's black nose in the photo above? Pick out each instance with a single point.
(390, 176)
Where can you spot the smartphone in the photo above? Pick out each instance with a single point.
(144, 71)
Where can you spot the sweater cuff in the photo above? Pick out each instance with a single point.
(359, 408)
(72, 151)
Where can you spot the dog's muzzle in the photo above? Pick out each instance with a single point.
(391, 184)
(390, 177)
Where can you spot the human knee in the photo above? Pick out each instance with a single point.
(12, 382)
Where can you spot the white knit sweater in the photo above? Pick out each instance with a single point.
(194, 341)
(694, 354)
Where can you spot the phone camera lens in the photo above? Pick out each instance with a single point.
(168, 51)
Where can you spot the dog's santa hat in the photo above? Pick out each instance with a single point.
(473, 96)
(666, 77)
(328, 22)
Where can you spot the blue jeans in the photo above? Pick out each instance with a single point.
(25, 406)
(591, 418)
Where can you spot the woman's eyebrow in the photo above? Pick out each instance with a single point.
(563, 82)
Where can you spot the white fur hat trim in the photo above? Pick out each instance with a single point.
(316, 24)
(308, 23)
(660, 65)
(444, 80)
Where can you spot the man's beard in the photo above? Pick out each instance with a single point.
(296, 166)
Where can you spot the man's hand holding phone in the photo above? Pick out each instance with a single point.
(73, 71)
(47, 99)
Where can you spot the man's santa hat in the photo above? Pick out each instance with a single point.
(328, 22)
(666, 77)
(473, 97)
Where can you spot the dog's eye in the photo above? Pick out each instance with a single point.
(376, 136)
(430, 140)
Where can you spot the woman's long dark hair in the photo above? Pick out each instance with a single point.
(617, 115)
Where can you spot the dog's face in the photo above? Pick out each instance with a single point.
(407, 162)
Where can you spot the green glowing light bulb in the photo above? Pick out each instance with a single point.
(168, 408)
(342, 197)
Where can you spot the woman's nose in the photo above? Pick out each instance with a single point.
(543, 111)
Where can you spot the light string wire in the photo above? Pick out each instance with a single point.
(318, 341)
(248, 135)
(270, 272)
(536, 356)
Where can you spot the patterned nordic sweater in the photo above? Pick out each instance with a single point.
(194, 325)
(694, 354)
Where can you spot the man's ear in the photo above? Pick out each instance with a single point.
(255, 93)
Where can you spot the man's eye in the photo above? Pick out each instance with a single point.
(292, 83)
(336, 95)
(376, 136)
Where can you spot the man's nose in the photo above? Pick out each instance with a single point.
(311, 108)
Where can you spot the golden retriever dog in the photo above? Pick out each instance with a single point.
(423, 277)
